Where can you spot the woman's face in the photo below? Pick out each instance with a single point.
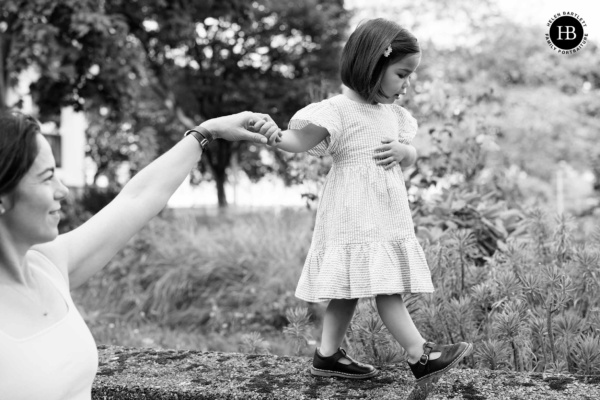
(33, 207)
(396, 78)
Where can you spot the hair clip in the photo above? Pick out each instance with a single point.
(388, 51)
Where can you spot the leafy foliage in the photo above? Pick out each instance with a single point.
(370, 339)
(78, 50)
(534, 320)
(145, 70)
(254, 343)
(299, 327)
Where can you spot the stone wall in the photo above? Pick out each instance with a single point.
(129, 373)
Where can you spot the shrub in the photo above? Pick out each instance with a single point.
(299, 328)
(527, 308)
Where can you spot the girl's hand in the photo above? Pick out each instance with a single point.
(393, 153)
(266, 127)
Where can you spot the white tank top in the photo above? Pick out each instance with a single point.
(57, 363)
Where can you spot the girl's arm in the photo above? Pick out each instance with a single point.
(410, 158)
(300, 140)
(87, 249)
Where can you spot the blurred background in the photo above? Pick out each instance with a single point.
(507, 187)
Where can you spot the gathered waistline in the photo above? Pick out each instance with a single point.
(368, 165)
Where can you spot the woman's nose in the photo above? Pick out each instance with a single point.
(62, 191)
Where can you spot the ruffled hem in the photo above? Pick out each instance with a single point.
(359, 270)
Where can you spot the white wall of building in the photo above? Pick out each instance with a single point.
(269, 191)
(72, 131)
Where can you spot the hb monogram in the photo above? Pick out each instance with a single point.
(570, 30)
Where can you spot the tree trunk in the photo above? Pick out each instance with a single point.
(220, 157)
(220, 178)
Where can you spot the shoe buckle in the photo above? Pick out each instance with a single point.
(427, 347)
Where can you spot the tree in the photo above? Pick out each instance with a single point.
(215, 58)
(65, 42)
(150, 67)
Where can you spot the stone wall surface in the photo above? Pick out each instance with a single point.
(132, 374)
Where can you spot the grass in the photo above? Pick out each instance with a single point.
(196, 280)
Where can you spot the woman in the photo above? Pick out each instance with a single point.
(46, 350)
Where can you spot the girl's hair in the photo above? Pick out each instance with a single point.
(18, 147)
(363, 62)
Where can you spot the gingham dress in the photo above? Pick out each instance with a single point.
(364, 242)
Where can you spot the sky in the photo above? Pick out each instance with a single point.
(527, 12)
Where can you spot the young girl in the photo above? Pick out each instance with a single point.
(364, 243)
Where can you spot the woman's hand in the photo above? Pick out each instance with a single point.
(393, 153)
(237, 127)
(268, 128)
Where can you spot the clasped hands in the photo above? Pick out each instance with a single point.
(255, 127)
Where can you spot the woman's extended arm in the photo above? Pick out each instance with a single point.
(85, 250)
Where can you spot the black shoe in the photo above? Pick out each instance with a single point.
(330, 366)
(429, 371)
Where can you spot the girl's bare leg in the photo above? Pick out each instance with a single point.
(335, 324)
(398, 321)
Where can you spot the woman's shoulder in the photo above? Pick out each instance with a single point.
(42, 257)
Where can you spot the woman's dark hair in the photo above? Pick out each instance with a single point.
(363, 62)
(18, 147)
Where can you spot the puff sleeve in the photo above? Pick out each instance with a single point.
(407, 125)
(322, 114)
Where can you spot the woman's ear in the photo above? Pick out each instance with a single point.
(5, 203)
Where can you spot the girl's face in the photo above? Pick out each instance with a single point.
(33, 207)
(396, 78)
